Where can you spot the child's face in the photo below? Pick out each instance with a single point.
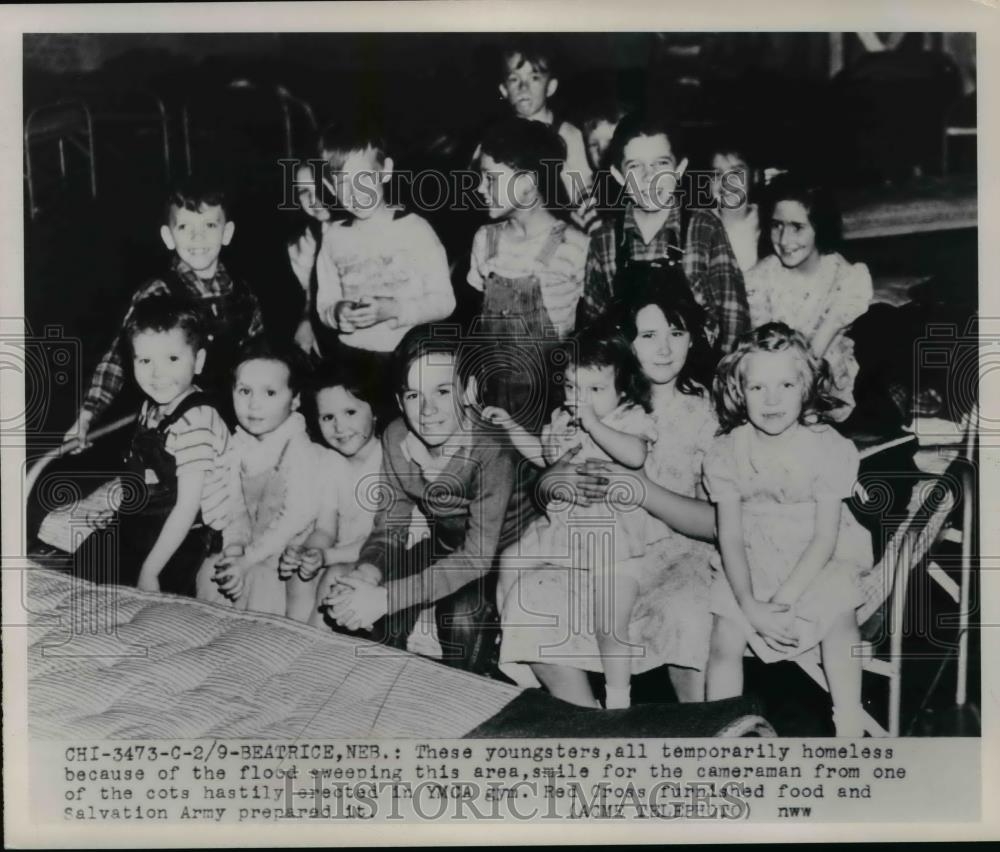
(432, 399)
(650, 172)
(198, 237)
(661, 348)
(598, 141)
(359, 184)
(307, 196)
(527, 88)
(261, 396)
(772, 386)
(594, 386)
(345, 421)
(165, 364)
(792, 235)
(729, 181)
(503, 189)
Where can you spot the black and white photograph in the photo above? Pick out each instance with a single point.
(557, 423)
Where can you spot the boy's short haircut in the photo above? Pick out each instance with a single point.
(163, 313)
(341, 139)
(637, 124)
(529, 146)
(261, 348)
(537, 51)
(193, 193)
(438, 340)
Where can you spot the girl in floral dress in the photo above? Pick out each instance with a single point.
(806, 284)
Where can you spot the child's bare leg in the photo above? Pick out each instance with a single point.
(565, 683)
(321, 589)
(689, 684)
(843, 674)
(614, 598)
(300, 598)
(724, 678)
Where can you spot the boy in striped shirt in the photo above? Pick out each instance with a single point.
(179, 450)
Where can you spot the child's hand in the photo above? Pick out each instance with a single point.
(774, 622)
(341, 316)
(586, 217)
(367, 572)
(290, 561)
(355, 604)
(498, 417)
(230, 574)
(585, 416)
(310, 561)
(79, 431)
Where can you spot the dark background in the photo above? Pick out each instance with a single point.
(864, 123)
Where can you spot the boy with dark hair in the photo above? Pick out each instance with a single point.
(644, 158)
(468, 481)
(382, 270)
(179, 449)
(528, 82)
(195, 229)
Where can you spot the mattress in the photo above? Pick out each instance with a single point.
(107, 662)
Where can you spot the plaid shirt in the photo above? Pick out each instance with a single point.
(109, 377)
(606, 249)
(715, 277)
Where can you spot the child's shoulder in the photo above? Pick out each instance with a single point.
(575, 238)
(724, 445)
(604, 232)
(825, 438)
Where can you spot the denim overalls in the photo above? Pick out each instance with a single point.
(137, 532)
(519, 339)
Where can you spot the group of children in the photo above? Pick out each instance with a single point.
(623, 461)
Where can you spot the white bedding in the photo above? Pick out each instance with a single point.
(106, 662)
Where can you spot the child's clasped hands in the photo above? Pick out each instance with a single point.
(356, 601)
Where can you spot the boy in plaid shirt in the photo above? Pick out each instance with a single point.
(645, 161)
(196, 228)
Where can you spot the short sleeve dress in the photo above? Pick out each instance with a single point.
(547, 611)
(838, 290)
(779, 502)
(548, 538)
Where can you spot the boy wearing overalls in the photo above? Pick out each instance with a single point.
(529, 266)
(179, 451)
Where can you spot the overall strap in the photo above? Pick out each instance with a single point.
(622, 248)
(192, 400)
(492, 240)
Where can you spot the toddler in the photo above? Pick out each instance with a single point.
(179, 449)
(606, 414)
(275, 492)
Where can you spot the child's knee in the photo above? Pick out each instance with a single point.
(728, 640)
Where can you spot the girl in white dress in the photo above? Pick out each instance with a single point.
(341, 410)
(606, 415)
(549, 636)
(793, 555)
(806, 284)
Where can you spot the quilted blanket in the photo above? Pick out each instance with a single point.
(106, 662)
